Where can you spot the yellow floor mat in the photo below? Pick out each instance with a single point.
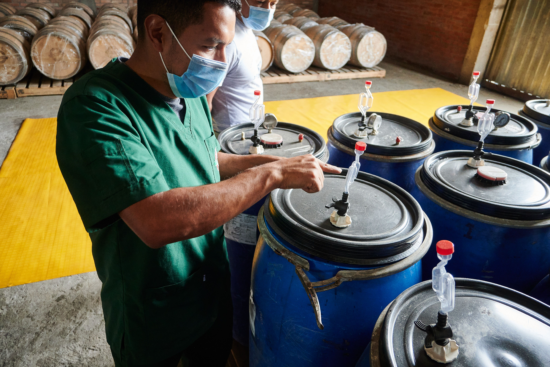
(318, 114)
(41, 234)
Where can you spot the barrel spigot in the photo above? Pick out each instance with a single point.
(484, 127)
(257, 117)
(473, 95)
(340, 217)
(439, 344)
(365, 103)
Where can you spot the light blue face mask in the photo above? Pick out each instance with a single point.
(258, 18)
(202, 76)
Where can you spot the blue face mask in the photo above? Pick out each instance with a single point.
(258, 18)
(202, 76)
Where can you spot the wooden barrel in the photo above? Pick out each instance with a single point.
(122, 7)
(81, 6)
(58, 52)
(79, 13)
(45, 7)
(76, 26)
(38, 17)
(118, 13)
(332, 47)
(266, 50)
(6, 9)
(76, 20)
(108, 19)
(290, 8)
(135, 19)
(306, 13)
(131, 11)
(14, 57)
(333, 21)
(294, 50)
(301, 22)
(367, 44)
(21, 25)
(107, 42)
(281, 16)
(136, 34)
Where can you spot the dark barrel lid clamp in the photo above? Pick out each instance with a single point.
(439, 344)
(340, 217)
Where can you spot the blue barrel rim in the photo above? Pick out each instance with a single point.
(533, 114)
(380, 158)
(315, 241)
(487, 219)
(472, 135)
(534, 143)
(540, 125)
(391, 151)
(301, 264)
(508, 296)
(321, 153)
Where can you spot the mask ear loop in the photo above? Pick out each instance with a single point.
(177, 40)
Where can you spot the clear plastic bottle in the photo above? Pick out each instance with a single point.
(443, 283)
(257, 111)
(353, 171)
(473, 90)
(486, 122)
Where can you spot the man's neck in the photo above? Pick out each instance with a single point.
(148, 70)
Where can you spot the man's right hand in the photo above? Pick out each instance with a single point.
(303, 172)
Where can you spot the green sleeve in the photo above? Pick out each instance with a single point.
(105, 165)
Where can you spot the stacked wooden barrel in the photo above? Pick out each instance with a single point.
(301, 22)
(110, 36)
(306, 13)
(368, 45)
(332, 21)
(58, 50)
(6, 9)
(266, 50)
(44, 7)
(290, 8)
(132, 13)
(281, 16)
(332, 47)
(40, 18)
(294, 50)
(21, 25)
(14, 56)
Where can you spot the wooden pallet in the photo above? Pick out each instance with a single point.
(8, 92)
(315, 74)
(36, 84)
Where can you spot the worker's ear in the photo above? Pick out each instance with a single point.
(157, 32)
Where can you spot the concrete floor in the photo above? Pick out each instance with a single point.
(60, 322)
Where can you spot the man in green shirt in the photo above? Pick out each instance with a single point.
(136, 147)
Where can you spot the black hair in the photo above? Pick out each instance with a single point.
(178, 13)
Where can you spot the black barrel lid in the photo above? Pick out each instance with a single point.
(494, 326)
(415, 137)
(518, 131)
(312, 143)
(538, 109)
(387, 221)
(525, 196)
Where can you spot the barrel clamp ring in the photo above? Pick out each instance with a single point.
(312, 288)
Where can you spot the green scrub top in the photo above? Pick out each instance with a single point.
(118, 142)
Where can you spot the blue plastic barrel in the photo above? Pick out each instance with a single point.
(493, 326)
(241, 233)
(317, 290)
(515, 140)
(538, 111)
(384, 157)
(542, 290)
(544, 164)
(501, 230)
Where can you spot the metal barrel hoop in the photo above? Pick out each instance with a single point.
(312, 288)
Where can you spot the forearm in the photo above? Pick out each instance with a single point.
(231, 165)
(185, 213)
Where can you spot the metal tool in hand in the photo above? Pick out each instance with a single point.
(473, 95)
(365, 103)
(257, 117)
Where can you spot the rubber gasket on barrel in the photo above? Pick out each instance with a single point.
(498, 210)
(473, 135)
(392, 151)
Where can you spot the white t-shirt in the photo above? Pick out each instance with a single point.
(232, 102)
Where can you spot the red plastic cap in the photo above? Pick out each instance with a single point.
(301, 137)
(476, 73)
(361, 146)
(445, 248)
(490, 101)
(257, 93)
(459, 108)
(368, 82)
(398, 140)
